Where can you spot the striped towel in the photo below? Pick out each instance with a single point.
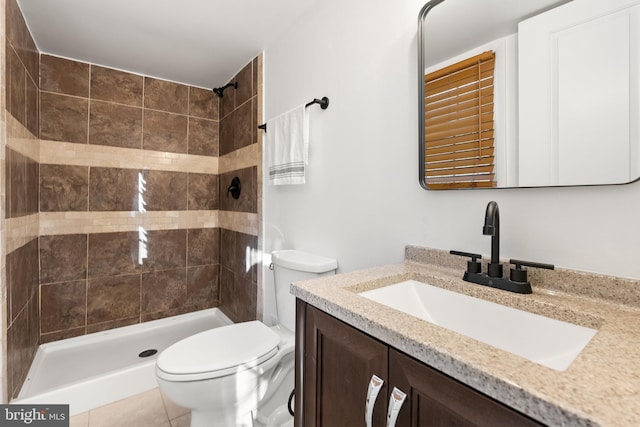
(287, 142)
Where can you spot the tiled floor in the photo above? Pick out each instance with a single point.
(148, 409)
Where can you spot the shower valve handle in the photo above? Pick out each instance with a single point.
(235, 188)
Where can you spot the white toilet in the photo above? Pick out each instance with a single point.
(242, 374)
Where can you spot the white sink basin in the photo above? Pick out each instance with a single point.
(549, 342)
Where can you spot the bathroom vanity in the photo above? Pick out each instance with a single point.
(343, 339)
(338, 356)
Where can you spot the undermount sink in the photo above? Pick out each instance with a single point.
(549, 342)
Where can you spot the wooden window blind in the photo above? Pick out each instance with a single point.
(459, 133)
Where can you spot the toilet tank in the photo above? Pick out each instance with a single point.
(293, 266)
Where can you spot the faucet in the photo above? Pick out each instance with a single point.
(517, 281)
(492, 228)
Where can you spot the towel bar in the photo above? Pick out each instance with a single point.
(324, 104)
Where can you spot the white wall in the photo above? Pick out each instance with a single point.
(362, 202)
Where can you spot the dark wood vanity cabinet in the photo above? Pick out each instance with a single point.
(435, 399)
(335, 362)
(338, 364)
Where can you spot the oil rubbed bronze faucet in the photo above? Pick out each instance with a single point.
(492, 228)
(517, 281)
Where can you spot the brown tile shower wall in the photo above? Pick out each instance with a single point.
(22, 69)
(89, 104)
(23, 335)
(71, 281)
(94, 282)
(239, 111)
(21, 201)
(238, 275)
(101, 280)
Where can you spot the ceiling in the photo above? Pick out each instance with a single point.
(198, 42)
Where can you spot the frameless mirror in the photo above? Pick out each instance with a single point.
(529, 93)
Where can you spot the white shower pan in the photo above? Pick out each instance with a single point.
(97, 369)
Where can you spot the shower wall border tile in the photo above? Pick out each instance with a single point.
(242, 158)
(55, 223)
(72, 154)
(66, 153)
(20, 231)
(241, 222)
(19, 139)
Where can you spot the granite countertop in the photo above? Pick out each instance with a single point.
(601, 386)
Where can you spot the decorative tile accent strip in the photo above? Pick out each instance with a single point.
(55, 223)
(239, 159)
(64, 153)
(21, 140)
(242, 222)
(20, 231)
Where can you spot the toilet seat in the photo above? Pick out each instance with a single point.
(218, 352)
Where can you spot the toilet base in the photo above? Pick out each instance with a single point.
(279, 418)
(216, 419)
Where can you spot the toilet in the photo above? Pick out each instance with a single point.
(241, 375)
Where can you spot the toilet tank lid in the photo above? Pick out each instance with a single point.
(302, 261)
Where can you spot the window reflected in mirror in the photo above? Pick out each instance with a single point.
(459, 133)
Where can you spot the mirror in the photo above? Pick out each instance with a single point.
(532, 93)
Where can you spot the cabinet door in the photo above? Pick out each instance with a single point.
(338, 364)
(435, 399)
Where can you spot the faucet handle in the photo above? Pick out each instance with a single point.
(520, 275)
(474, 265)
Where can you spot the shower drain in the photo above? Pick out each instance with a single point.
(148, 353)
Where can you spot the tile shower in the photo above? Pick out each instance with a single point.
(115, 198)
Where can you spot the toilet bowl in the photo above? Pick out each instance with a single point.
(222, 374)
(242, 374)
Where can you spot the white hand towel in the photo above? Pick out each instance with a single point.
(287, 143)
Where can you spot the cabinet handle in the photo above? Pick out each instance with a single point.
(372, 394)
(395, 403)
